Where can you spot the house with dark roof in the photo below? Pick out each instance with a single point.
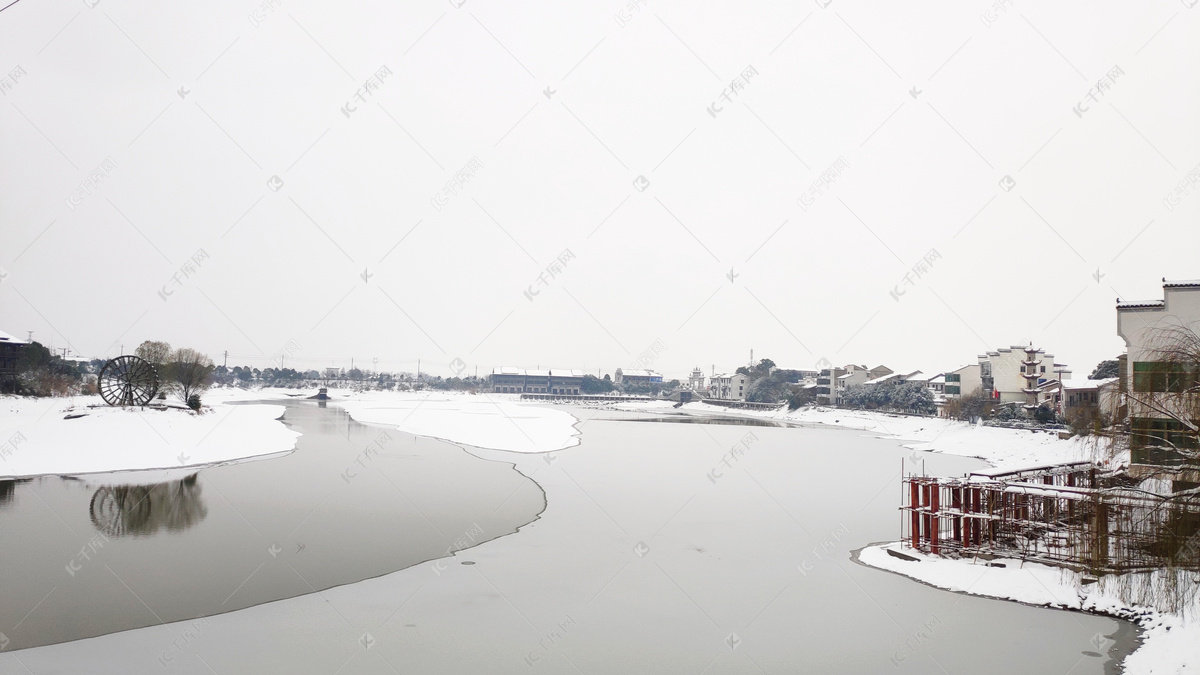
(10, 354)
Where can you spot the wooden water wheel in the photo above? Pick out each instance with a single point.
(128, 380)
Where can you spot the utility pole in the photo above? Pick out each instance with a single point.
(30, 338)
(418, 370)
(226, 362)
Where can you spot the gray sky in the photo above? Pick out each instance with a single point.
(187, 111)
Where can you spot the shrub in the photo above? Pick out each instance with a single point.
(193, 402)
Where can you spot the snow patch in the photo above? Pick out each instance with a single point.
(483, 420)
(81, 434)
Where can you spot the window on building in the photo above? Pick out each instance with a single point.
(1160, 432)
(1150, 376)
(954, 377)
(1043, 369)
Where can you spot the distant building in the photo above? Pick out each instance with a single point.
(696, 379)
(637, 376)
(826, 388)
(963, 381)
(1091, 396)
(1015, 374)
(728, 387)
(853, 375)
(10, 354)
(1156, 389)
(832, 383)
(508, 380)
(937, 386)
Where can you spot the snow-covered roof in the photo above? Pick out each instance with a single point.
(882, 379)
(560, 372)
(1181, 283)
(938, 379)
(8, 339)
(1142, 303)
(1088, 384)
(915, 376)
(639, 372)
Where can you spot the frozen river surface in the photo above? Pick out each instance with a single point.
(689, 548)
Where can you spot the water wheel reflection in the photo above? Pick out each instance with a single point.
(142, 510)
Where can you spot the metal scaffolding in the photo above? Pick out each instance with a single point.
(1077, 515)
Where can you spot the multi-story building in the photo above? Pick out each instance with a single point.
(728, 387)
(508, 380)
(10, 353)
(1015, 374)
(832, 383)
(1160, 391)
(827, 385)
(963, 381)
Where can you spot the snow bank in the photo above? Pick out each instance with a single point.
(490, 421)
(1171, 643)
(1002, 448)
(36, 436)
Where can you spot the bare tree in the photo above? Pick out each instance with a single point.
(158, 353)
(189, 372)
(1168, 389)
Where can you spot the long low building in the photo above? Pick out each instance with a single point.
(509, 380)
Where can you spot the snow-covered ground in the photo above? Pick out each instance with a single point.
(491, 421)
(81, 434)
(1002, 448)
(1171, 642)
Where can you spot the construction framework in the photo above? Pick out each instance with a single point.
(1077, 515)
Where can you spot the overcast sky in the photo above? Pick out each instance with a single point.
(666, 150)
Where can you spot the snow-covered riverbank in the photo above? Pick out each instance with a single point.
(80, 434)
(497, 422)
(1002, 448)
(1171, 642)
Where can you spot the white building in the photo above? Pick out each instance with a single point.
(1154, 387)
(1013, 375)
(1098, 396)
(696, 379)
(728, 387)
(963, 381)
(849, 376)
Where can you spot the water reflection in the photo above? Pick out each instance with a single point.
(141, 510)
(7, 488)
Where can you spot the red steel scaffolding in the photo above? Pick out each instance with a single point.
(1078, 515)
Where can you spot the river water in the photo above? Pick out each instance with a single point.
(351, 502)
(661, 548)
